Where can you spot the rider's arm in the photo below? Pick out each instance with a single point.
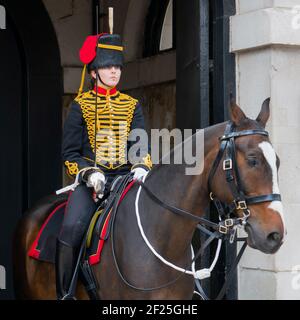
(138, 122)
(72, 141)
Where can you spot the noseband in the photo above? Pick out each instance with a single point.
(240, 200)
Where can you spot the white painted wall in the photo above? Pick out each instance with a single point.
(266, 40)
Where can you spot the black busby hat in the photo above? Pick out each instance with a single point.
(99, 51)
(102, 51)
(109, 52)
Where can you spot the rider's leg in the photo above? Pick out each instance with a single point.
(78, 214)
(65, 262)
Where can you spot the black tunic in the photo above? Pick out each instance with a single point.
(117, 115)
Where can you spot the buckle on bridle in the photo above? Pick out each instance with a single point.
(241, 205)
(228, 223)
(246, 215)
(223, 229)
(227, 164)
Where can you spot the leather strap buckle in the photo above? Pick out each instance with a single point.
(227, 164)
(228, 223)
(241, 205)
(223, 229)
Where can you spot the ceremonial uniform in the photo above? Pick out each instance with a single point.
(96, 134)
(117, 115)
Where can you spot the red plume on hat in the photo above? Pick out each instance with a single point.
(87, 52)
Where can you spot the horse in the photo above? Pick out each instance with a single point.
(131, 270)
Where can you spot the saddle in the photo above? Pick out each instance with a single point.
(44, 246)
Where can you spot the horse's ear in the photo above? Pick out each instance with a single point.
(264, 114)
(236, 113)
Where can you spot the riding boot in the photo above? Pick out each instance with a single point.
(65, 263)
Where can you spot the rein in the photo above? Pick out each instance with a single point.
(227, 224)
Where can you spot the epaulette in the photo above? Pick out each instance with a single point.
(87, 95)
(125, 97)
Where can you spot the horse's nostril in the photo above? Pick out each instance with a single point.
(274, 237)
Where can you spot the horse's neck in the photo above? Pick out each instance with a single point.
(188, 192)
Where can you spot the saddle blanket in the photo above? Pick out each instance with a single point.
(44, 246)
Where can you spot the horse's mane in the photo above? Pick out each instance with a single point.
(210, 132)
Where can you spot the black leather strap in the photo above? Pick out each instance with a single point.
(213, 236)
(231, 272)
(176, 210)
(117, 194)
(263, 198)
(237, 134)
(223, 145)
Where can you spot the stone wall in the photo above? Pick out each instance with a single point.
(265, 35)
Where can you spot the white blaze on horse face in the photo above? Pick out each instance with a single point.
(270, 156)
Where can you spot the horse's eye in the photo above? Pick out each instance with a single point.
(252, 162)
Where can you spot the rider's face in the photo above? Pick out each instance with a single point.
(109, 76)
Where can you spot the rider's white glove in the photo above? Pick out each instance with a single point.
(138, 173)
(97, 181)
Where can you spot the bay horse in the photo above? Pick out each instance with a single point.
(171, 234)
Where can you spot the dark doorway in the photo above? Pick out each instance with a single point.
(30, 103)
(11, 132)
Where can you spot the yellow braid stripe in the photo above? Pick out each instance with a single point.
(72, 167)
(109, 46)
(113, 123)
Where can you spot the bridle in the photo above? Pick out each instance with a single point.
(240, 200)
(228, 222)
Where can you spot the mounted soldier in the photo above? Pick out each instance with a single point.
(96, 143)
(138, 264)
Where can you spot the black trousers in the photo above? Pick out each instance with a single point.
(79, 212)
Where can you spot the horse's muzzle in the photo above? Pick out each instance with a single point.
(268, 242)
